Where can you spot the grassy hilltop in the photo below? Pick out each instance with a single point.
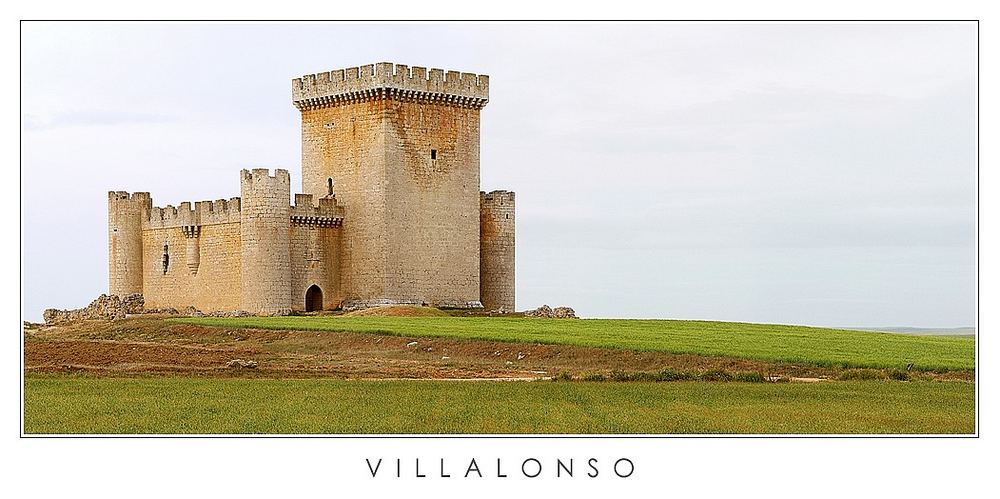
(818, 346)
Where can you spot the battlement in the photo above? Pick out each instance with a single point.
(327, 214)
(220, 211)
(136, 203)
(263, 175)
(497, 197)
(141, 197)
(390, 80)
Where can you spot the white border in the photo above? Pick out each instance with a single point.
(745, 467)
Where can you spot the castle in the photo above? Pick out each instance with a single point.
(391, 211)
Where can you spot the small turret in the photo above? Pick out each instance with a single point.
(496, 250)
(126, 213)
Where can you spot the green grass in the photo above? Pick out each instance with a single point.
(796, 344)
(68, 404)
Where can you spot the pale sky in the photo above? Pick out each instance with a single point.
(790, 173)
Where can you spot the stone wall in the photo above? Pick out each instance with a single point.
(314, 245)
(496, 234)
(432, 154)
(314, 261)
(192, 255)
(215, 284)
(345, 144)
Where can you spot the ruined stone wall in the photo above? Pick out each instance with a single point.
(264, 242)
(496, 226)
(105, 307)
(125, 218)
(433, 202)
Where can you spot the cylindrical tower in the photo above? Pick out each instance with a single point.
(496, 250)
(125, 213)
(264, 231)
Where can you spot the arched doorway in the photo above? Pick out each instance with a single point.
(314, 299)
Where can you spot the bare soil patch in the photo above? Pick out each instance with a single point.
(145, 345)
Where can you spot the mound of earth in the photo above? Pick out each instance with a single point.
(397, 311)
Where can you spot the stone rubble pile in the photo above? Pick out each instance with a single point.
(240, 363)
(548, 312)
(191, 311)
(161, 311)
(104, 307)
(113, 307)
(233, 313)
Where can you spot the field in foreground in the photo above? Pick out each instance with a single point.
(769, 342)
(74, 404)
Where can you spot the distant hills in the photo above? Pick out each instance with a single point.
(942, 331)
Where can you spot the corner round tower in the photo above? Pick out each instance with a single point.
(125, 215)
(264, 242)
(496, 250)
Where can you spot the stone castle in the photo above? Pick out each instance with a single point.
(391, 211)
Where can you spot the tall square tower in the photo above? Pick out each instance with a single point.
(399, 148)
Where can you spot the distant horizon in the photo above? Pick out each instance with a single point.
(900, 329)
(801, 174)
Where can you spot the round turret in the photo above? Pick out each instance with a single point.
(264, 230)
(496, 250)
(125, 216)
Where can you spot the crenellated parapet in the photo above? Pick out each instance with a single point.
(497, 198)
(327, 214)
(385, 80)
(138, 199)
(220, 211)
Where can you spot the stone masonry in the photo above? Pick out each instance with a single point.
(496, 246)
(391, 211)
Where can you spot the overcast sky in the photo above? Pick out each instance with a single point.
(806, 174)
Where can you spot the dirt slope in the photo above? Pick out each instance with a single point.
(149, 345)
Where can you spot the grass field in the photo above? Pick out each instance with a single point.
(796, 344)
(61, 404)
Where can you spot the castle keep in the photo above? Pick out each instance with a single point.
(391, 211)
